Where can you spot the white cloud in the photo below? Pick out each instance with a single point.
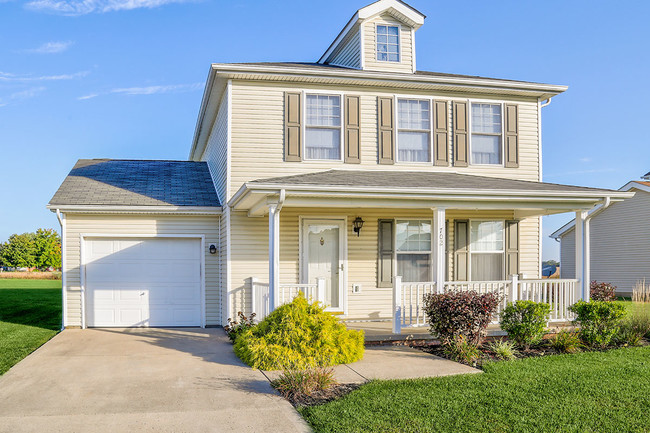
(83, 7)
(5, 76)
(53, 47)
(22, 95)
(585, 159)
(147, 90)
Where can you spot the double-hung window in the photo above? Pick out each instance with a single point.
(486, 142)
(323, 127)
(413, 130)
(486, 250)
(388, 43)
(413, 250)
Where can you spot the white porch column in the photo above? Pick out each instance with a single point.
(586, 274)
(274, 254)
(580, 252)
(438, 245)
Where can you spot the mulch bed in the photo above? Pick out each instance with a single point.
(321, 397)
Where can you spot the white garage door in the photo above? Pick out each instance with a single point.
(143, 282)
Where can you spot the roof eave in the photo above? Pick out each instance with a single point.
(114, 209)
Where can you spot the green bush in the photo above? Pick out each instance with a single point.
(566, 342)
(525, 321)
(297, 336)
(598, 321)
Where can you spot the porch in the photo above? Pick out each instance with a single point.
(371, 250)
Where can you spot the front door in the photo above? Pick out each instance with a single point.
(324, 258)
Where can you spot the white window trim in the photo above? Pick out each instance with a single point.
(341, 96)
(469, 131)
(469, 246)
(399, 43)
(431, 246)
(396, 129)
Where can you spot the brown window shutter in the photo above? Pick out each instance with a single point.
(441, 134)
(386, 127)
(292, 126)
(461, 127)
(385, 254)
(512, 136)
(461, 250)
(352, 130)
(512, 248)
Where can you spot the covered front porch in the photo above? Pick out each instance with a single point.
(370, 247)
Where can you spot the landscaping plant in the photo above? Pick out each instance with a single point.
(566, 342)
(602, 291)
(297, 385)
(455, 314)
(634, 328)
(598, 321)
(300, 335)
(503, 349)
(235, 328)
(641, 292)
(525, 321)
(461, 350)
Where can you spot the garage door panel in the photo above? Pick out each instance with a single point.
(143, 282)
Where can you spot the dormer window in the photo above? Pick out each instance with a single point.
(388, 43)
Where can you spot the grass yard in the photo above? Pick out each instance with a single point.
(585, 392)
(30, 314)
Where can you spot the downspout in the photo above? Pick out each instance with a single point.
(540, 105)
(64, 294)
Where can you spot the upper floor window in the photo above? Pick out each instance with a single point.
(388, 43)
(486, 141)
(413, 130)
(323, 127)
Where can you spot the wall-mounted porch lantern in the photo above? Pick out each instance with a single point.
(357, 224)
(213, 249)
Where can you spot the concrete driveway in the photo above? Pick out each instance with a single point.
(135, 380)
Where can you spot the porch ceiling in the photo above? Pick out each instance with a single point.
(390, 189)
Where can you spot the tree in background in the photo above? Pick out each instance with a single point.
(32, 250)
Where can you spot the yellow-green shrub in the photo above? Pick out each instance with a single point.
(299, 335)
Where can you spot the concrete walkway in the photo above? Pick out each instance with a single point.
(154, 380)
(394, 362)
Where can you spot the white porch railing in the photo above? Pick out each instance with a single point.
(260, 294)
(408, 298)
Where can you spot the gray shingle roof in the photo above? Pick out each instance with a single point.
(425, 180)
(137, 183)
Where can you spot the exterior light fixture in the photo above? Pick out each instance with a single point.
(213, 249)
(357, 224)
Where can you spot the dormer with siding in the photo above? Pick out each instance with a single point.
(378, 37)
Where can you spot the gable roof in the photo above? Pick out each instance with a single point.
(566, 228)
(111, 182)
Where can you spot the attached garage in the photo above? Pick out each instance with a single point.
(141, 244)
(143, 281)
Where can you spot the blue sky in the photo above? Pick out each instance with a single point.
(123, 79)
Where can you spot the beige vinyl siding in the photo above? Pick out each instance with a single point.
(370, 50)
(76, 225)
(258, 135)
(348, 53)
(216, 150)
(620, 244)
(250, 252)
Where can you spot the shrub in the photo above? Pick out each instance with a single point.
(235, 328)
(299, 384)
(461, 350)
(634, 328)
(602, 291)
(299, 335)
(566, 342)
(455, 314)
(503, 349)
(525, 321)
(598, 321)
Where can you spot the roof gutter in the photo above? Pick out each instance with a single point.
(165, 210)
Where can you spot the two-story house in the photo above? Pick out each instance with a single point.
(357, 179)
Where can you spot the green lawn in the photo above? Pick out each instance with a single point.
(586, 392)
(30, 314)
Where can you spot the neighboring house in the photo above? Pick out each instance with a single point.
(340, 178)
(619, 240)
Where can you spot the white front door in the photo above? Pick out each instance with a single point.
(324, 257)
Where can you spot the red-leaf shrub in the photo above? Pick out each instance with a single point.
(456, 314)
(602, 291)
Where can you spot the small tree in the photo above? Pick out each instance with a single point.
(525, 321)
(47, 244)
(19, 251)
